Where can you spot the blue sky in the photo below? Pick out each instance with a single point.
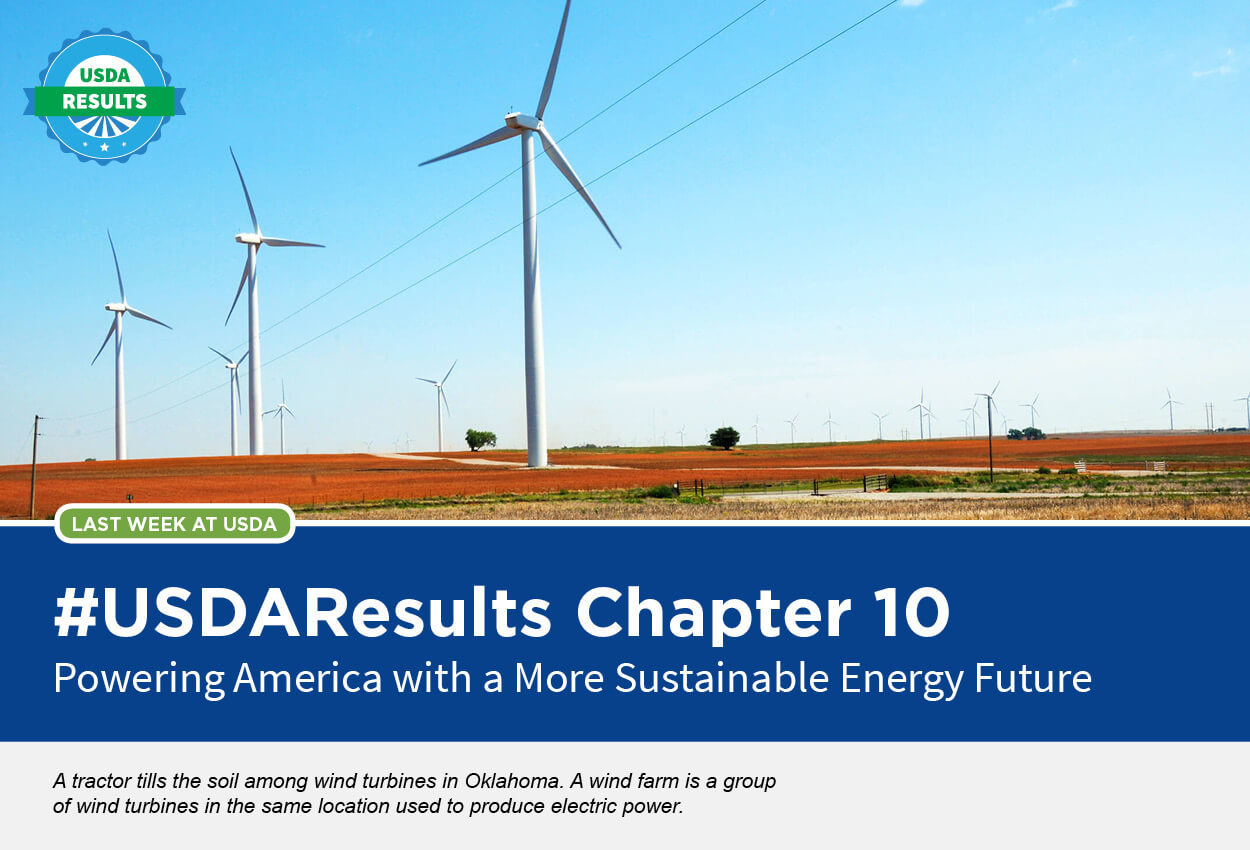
(956, 193)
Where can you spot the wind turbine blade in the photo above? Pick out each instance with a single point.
(118, 267)
(247, 267)
(244, 357)
(289, 411)
(139, 315)
(555, 155)
(284, 392)
(107, 336)
(443, 396)
(429, 381)
(250, 210)
(268, 412)
(288, 243)
(234, 376)
(1035, 398)
(453, 366)
(219, 354)
(555, 59)
(489, 139)
(996, 383)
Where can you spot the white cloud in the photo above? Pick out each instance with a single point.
(1226, 67)
(1065, 4)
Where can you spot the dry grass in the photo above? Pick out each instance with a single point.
(1091, 508)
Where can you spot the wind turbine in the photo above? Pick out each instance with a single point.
(233, 367)
(920, 407)
(880, 418)
(1032, 406)
(990, 404)
(829, 422)
(440, 396)
(682, 433)
(1246, 399)
(928, 412)
(1168, 404)
(525, 126)
(282, 411)
(118, 310)
(253, 241)
(791, 423)
(972, 414)
(757, 429)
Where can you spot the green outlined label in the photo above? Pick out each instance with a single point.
(200, 523)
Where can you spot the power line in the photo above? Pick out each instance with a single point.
(708, 113)
(428, 227)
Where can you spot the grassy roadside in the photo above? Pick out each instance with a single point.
(1090, 507)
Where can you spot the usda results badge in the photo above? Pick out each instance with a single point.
(104, 96)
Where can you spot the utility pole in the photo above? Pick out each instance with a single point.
(34, 453)
(989, 421)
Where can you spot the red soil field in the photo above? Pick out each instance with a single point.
(307, 480)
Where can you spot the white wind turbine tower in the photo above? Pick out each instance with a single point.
(791, 423)
(681, 432)
(1246, 399)
(1032, 406)
(928, 412)
(118, 310)
(525, 126)
(282, 411)
(757, 429)
(1168, 404)
(920, 407)
(440, 396)
(880, 418)
(232, 390)
(253, 241)
(972, 414)
(829, 422)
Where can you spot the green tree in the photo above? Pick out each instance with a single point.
(477, 439)
(1033, 434)
(723, 438)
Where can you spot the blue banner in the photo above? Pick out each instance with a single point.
(630, 633)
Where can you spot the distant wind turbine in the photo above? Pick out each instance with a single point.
(829, 422)
(757, 429)
(1168, 404)
(232, 390)
(525, 126)
(282, 411)
(1032, 406)
(253, 241)
(119, 309)
(1246, 399)
(928, 412)
(681, 432)
(441, 396)
(880, 418)
(972, 414)
(791, 423)
(920, 407)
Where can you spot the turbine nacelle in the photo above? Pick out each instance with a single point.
(521, 121)
(116, 308)
(248, 238)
